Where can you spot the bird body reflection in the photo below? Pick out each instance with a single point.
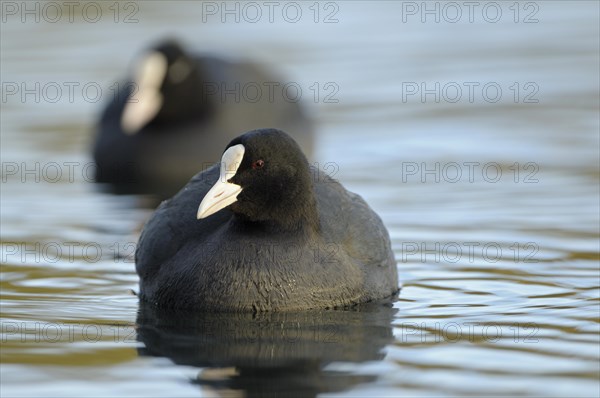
(269, 354)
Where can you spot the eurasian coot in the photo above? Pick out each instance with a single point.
(178, 111)
(262, 231)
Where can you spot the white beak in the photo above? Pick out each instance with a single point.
(146, 98)
(223, 193)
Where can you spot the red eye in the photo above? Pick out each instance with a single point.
(258, 164)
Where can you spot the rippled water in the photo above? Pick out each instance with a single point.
(492, 205)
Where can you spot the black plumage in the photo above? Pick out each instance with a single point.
(295, 239)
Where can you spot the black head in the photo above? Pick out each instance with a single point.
(265, 178)
(166, 88)
(181, 85)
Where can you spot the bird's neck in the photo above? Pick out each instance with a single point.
(303, 221)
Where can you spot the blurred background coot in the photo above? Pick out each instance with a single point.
(177, 111)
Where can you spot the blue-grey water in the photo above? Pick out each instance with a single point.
(472, 129)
